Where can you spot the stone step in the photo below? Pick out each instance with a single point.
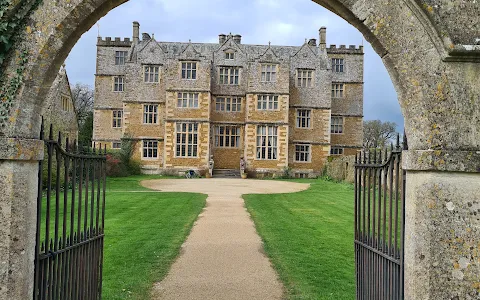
(226, 173)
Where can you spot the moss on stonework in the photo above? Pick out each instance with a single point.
(13, 18)
(9, 90)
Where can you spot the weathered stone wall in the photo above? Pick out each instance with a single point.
(280, 86)
(351, 151)
(175, 113)
(105, 97)
(353, 63)
(173, 75)
(266, 116)
(341, 168)
(352, 102)
(319, 94)
(62, 119)
(350, 136)
(317, 136)
(319, 131)
(134, 126)
(106, 56)
(137, 90)
(240, 60)
(319, 155)
(103, 129)
(149, 165)
(228, 117)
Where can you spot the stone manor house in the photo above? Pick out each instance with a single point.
(183, 103)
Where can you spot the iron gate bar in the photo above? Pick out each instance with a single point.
(69, 260)
(379, 223)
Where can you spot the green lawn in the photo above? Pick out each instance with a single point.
(143, 235)
(309, 238)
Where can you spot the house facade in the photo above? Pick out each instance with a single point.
(60, 109)
(183, 104)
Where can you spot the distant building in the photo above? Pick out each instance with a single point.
(60, 109)
(276, 106)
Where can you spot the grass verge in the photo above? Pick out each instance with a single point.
(309, 238)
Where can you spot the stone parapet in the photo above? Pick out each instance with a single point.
(342, 49)
(117, 42)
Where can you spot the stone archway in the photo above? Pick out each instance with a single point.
(428, 47)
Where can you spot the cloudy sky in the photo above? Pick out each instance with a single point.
(282, 22)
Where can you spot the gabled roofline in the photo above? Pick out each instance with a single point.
(230, 38)
(265, 52)
(303, 46)
(147, 43)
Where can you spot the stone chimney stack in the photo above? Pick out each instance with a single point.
(237, 39)
(323, 38)
(222, 38)
(136, 32)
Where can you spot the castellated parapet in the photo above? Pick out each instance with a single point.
(342, 49)
(116, 42)
(276, 106)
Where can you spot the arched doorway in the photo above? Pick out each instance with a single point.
(430, 53)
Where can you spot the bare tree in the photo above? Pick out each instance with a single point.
(83, 97)
(377, 134)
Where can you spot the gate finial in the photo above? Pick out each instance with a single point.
(405, 141)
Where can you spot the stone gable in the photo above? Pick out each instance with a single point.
(60, 109)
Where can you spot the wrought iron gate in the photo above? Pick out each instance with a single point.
(380, 224)
(70, 222)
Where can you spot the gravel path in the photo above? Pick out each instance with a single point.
(222, 257)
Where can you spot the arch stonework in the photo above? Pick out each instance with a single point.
(428, 47)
